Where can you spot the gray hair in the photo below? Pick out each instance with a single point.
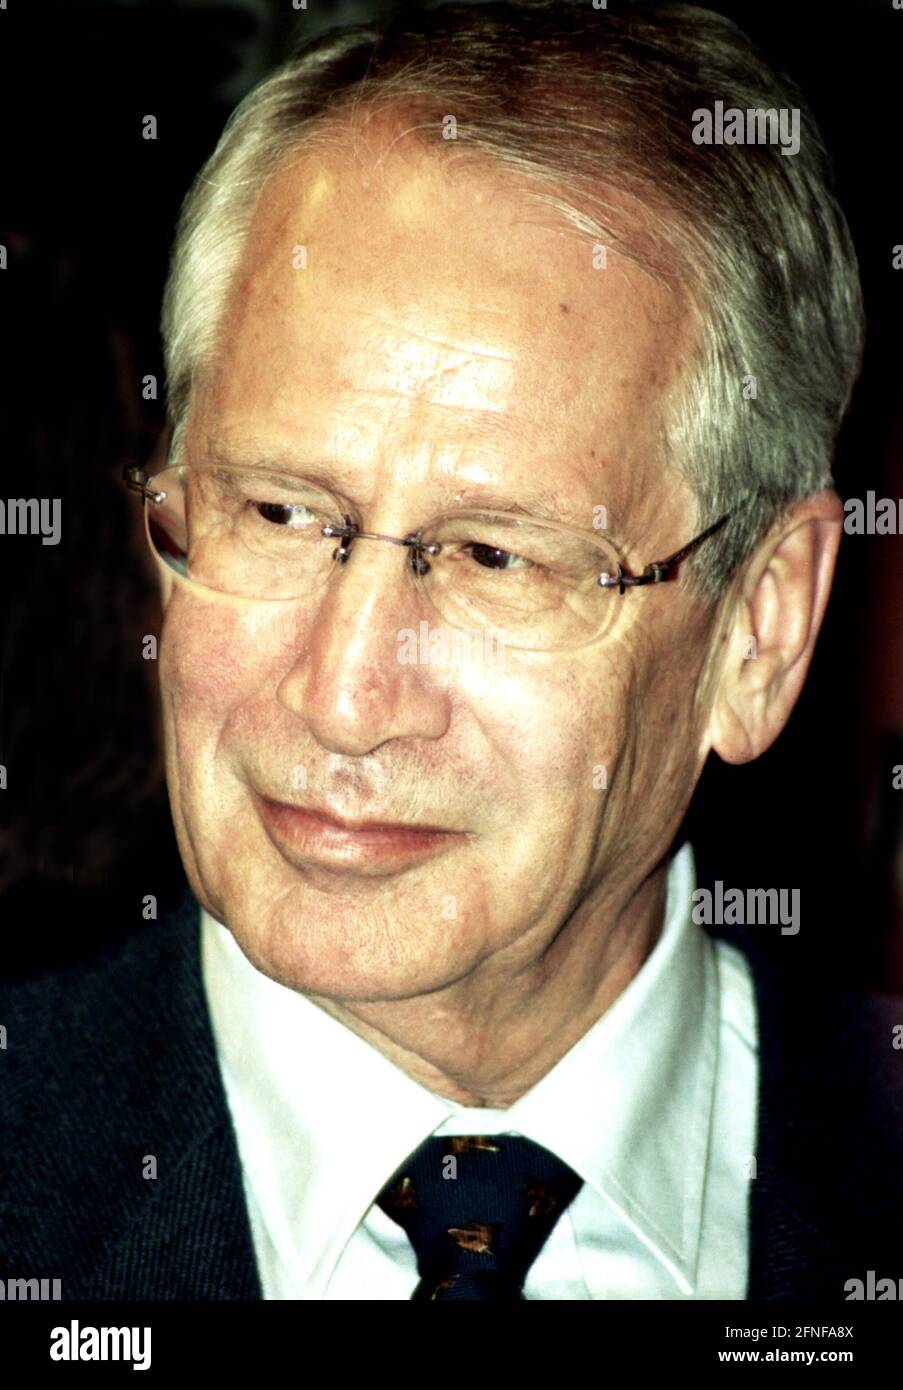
(578, 101)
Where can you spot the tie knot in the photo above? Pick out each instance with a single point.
(477, 1209)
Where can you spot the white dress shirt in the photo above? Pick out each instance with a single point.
(654, 1107)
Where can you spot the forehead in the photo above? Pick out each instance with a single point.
(392, 301)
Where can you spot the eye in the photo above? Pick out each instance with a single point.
(493, 557)
(293, 514)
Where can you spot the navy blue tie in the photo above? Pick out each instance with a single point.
(477, 1209)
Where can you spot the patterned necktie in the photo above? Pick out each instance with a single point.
(477, 1209)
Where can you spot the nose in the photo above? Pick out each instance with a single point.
(347, 682)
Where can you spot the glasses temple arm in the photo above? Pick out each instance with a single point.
(691, 545)
(659, 570)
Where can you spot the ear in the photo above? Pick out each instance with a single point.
(770, 628)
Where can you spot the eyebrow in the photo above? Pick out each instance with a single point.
(539, 504)
(543, 506)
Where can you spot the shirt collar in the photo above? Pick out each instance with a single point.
(629, 1106)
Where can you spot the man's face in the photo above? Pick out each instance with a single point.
(445, 338)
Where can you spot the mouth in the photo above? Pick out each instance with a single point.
(310, 836)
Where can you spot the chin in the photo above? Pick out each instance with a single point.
(339, 945)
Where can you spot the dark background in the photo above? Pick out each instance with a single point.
(87, 209)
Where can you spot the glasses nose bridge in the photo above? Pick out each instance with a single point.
(349, 532)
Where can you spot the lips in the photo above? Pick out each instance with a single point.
(356, 827)
(308, 838)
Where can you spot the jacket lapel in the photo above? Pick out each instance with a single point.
(823, 1205)
(189, 1237)
(125, 1171)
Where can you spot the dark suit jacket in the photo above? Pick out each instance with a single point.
(112, 1060)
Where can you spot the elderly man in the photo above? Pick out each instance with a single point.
(503, 390)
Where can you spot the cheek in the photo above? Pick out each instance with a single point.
(587, 724)
(557, 725)
(215, 655)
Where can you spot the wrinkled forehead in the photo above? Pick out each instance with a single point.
(386, 291)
